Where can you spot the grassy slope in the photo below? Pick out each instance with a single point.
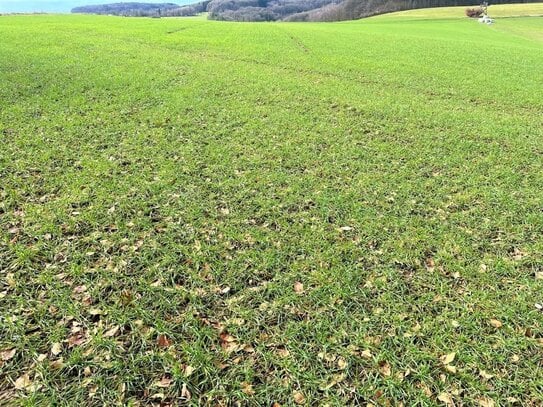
(179, 176)
(495, 11)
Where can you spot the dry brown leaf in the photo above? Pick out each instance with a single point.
(95, 311)
(230, 347)
(163, 341)
(185, 393)
(158, 396)
(385, 369)
(299, 398)
(56, 348)
(366, 354)
(448, 358)
(518, 254)
(298, 287)
(341, 363)
(23, 382)
(6, 355)
(226, 337)
(486, 402)
(495, 323)
(282, 352)
(57, 364)
(76, 340)
(13, 230)
(450, 368)
(93, 390)
(10, 279)
(337, 378)
(248, 349)
(425, 389)
(445, 398)
(539, 275)
(188, 370)
(164, 382)
(247, 388)
(112, 332)
(87, 371)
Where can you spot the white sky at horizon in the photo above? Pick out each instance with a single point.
(64, 6)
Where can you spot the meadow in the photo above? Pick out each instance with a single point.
(278, 214)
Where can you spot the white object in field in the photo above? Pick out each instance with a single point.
(486, 20)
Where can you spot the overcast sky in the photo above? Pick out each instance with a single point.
(64, 6)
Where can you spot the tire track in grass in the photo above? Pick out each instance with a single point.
(294, 39)
(183, 28)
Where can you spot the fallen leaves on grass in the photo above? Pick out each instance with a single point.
(165, 382)
(496, 323)
(56, 348)
(112, 332)
(341, 363)
(228, 342)
(485, 402)
(76, 340)
(57, 364)
(448, 358)
(185, 393)
(24, 383)
(445, 398)
(299, 398)
(188, 370)
(450, 368)
(298, 287)
(6, 355)
(385, 369)
(163, 341)
(247, 388)
(518, 254)
(337, 378)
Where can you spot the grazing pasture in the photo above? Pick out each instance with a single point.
(216, 213)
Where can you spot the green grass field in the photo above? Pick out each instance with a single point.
(256, 213)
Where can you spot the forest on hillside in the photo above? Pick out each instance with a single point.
(275, 10)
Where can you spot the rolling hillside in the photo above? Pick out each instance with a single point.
(208, 213)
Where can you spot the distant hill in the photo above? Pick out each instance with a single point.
(323, 10)
(127, 9)
(277, 10)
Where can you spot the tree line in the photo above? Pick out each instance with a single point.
(276, 10)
